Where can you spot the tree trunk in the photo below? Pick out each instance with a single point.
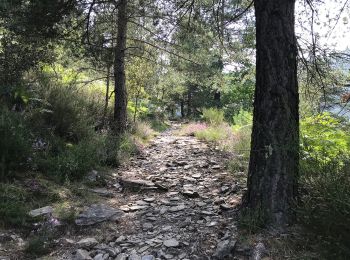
(105, 109)
(136, 107)
(189, 101)
(182, 108)
(217, 99)
(274, 158)
(120, 93)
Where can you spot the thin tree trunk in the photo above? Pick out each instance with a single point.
(182, 108)
(189, 101)
(136, 107)
(274, 158)
(105, 109)
(120, 92)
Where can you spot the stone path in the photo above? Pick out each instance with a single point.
(179, 202)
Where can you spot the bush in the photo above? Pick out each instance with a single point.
(325, 141)
(143, 131)
(243, 118)
(192, 128)
(325, 209)
(13, 207)
(14, 143)
(325, 182)
(214, 134)
(213, 116)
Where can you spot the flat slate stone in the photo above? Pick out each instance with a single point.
(87, 242)
(171, 243)
(97, 213)
(82, 254)
(41, 211)
(102, 192)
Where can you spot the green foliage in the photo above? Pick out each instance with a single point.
(213, 116)
(325, 179)
(73, 160)
(143, 131)
(214, 134)
(14, 143)
(37, 246)
(13, 206)
(325, 141)
(242, 119)
(238, 92)
(325, 209)
(159, 125)
(242, 129)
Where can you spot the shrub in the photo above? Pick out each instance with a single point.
(14, 143)
(214, 134)
(325, 209)
(242, 140)
(143, 131)
(192, 128)
(213, 116)
(325, 182)
(13, 207)
(243, 118)
(72, 161)
(325, 141)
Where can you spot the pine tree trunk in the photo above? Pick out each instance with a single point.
(182, 108)
(105, 109)
(273, 166)
(120, 92)
(189, 101)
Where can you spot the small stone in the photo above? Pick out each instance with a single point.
(224, 189)
(149, 199)
(171, 243)
(197, 175)
(177, 208)
(82, 254)
(92, 176)
(190, 193)
(143, 249)
(208, 213)
(138, 207)
(201, 204)
(112, 251)
(97, 213)
(134, 257)
(120, 239)
(225, 249)
(41, 211)
(125, 208)
(142, 203)
(99, 257)
(225, 206)
(102, 192)
(121, 257)
(88, 242)
(212, 224)
(148, 257)
(67, 241)
(147, 226)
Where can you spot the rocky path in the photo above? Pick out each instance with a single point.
(174, 201)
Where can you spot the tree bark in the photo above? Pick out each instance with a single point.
(274, 157)
(182, 108)
(105, 109)
(189, 101)
(120, 92)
